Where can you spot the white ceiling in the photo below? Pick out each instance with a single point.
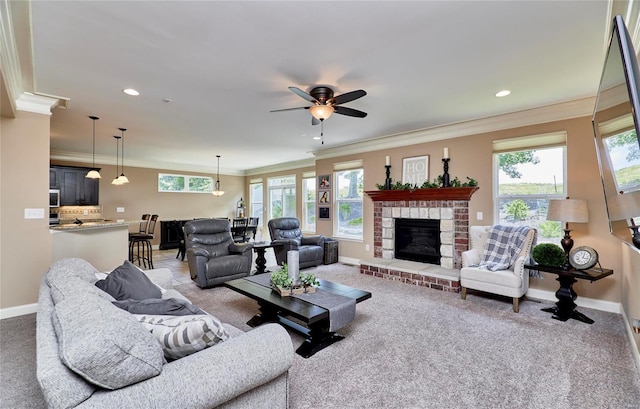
(225, 65)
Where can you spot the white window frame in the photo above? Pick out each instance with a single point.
(341, 168)
(186, 183)
(307, 199)
(271, 187)
(538, 143)
(253, 201)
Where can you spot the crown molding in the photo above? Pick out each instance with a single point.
(282, 167)
(550, 113)
(40, 103)
(132, 163)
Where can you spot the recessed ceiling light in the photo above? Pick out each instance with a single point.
(131, 91)
(316, 138)
(503, 93)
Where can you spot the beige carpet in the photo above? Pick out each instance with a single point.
(413, 347)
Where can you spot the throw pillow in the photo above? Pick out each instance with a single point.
(182, 336)
(128, 282)
(159, 306)
(104, 344)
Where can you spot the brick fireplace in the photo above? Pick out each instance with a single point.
(449, 205)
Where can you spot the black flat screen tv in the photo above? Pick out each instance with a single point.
(616, 126)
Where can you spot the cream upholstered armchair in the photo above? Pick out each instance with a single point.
(495, 261)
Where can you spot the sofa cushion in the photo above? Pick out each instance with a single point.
(159, 306)
(71, 267)
(71, 285)
(129, 282)
(185, 335)
(104, 344)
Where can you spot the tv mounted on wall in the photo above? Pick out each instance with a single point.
(616, 126)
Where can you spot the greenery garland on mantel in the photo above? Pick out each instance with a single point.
(437, 183)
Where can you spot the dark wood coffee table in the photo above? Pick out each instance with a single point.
(308, 319)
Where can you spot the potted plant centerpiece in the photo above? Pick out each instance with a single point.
(284, 285)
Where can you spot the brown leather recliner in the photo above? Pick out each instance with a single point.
(212, 254)
(286, 235)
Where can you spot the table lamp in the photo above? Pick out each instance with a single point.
(626, 207)
(568, 210)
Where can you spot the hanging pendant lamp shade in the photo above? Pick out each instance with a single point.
(94, 174)
(122, 178)
(217, 191)
(116, 180)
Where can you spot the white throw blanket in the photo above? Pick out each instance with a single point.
(504, 246)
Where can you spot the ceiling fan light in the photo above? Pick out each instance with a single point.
(321, 112)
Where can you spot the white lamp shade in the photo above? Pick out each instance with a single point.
(123, 179)
(218, 192)
(116, 181)
(93, 174)
(568, 210)
(624, 206)
(321, 112)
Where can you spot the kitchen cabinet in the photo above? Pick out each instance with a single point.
(75, 188)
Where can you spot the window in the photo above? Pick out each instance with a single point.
(526, 180)
(255, 199)
(282, 197)
(184, 183)
(622, 151)
(348, 193)
(309, 203)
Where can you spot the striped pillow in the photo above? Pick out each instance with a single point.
(184, 335)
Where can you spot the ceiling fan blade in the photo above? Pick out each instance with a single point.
(289, 109)
(302, 94)
(349, 96)
(314, 121)
(349, 112)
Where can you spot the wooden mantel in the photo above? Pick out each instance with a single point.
(436, 193)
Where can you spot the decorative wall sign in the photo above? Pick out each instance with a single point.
(324, 182)
(324, 197)
(415, 170)
(324, 213)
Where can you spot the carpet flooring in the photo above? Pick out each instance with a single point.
(414, 347)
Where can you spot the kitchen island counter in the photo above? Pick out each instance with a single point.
(92, 225)
(104, 244)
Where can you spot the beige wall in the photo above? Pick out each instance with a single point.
(471, 156)
(141, 196)
(631, 285)
(25, 250)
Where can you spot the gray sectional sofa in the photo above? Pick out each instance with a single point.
(91, 354)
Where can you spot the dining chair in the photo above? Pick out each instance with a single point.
(239, 230)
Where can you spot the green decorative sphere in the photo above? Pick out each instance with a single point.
(549, 254)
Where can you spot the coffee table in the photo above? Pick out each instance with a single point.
(307, 319)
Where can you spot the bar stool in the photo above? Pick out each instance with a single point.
(144, 239)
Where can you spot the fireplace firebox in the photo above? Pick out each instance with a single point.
(417, 240)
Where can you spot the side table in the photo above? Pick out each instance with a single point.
(261, 261)
(566, 307)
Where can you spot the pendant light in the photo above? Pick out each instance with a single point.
(116, 180)
(217, 191)
(94, 174)
(122, 178)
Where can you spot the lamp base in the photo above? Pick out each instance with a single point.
(567, 245)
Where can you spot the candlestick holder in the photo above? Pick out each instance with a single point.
(387, 181)
(445, 175)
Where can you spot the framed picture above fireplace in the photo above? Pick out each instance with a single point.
(415, 170)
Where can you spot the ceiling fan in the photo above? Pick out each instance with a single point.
(325, 104)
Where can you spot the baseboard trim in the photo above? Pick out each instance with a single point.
(586, 302)
(349, 260)
(635, 348)
(18, 311)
